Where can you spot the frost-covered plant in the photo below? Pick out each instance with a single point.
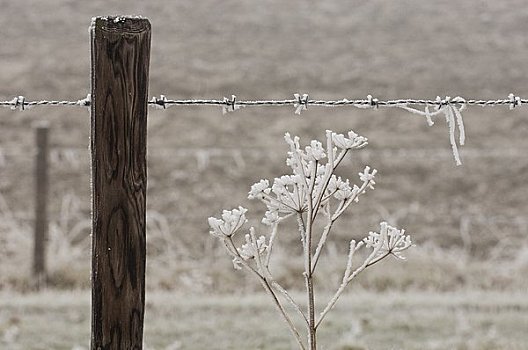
(312, 192)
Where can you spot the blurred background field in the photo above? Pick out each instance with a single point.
(469, 222)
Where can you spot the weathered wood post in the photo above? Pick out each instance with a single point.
(119, 71)
(41, 205)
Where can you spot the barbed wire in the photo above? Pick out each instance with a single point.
(451, 108)
(22, 104)
(299, 102)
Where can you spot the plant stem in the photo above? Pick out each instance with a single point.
(349, 201)
(274, 229)
(277, 303)
(289, 298)
(321, 244)
(346, 280)
(234, 252)
(271, 242)
(328, 175)
(312, 341)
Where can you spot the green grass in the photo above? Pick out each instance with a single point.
(414, 320)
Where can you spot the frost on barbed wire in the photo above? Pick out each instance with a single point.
(451, 108)
(310, 191)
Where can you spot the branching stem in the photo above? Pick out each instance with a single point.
(305, 194)
(265, 283)
(326, 181)
(347, 279)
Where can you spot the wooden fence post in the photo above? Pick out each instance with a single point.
(41, 205)
(119, 71)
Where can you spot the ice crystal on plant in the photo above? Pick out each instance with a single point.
(340, 189)
(389, 240)
(368, 176)
(251, 249)
(259, 189)
(311, 190)
(270, 217)
(231, 222)
(315, 151)
(354, 141)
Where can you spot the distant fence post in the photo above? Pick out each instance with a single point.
(41, 205)
(119, 72)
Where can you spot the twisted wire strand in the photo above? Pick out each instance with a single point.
(299, 102)
(512, 100)
(21, 103)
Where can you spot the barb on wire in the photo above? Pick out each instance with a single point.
(301, 103)
(451, 108)
(160, 102)
(230, 105)
(373, 102)
(514, 101)
(18, 102)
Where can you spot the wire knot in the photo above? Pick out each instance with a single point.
(18, 102)
(160, 103)
(230, 105)
(460, 101)
(442, 102)
(514, 101)
(301, 103)
(373, 102)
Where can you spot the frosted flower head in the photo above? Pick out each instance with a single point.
(389, 240)
(290, 194)
(252, 249)
(368, 176)
(295, 159)
(353, 141)
(293, 143)
(315, 151)
(280, 184)
(341, 189)
(229, 224)
(258, 189)
(285, 180)
(270, 217)
(292, 161)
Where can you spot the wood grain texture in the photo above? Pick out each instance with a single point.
(120, 66)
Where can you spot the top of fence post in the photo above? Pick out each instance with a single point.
(120, 66)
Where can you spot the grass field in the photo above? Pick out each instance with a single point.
(463, 287)
(465, 320)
